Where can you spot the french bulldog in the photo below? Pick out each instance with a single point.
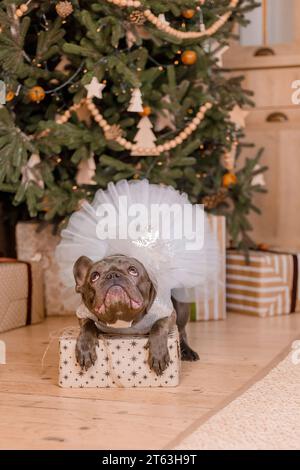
(118, 288)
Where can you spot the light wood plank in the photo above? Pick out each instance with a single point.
(36, 413)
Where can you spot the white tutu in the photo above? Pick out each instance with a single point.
(169, 262)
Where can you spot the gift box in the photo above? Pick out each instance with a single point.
(265, 285)
(21, 294)
(211, 303)
(36, 244)
(122, 361)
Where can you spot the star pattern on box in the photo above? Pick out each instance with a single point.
(122, 362)
(95, 88)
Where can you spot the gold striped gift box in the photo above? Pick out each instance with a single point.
(267, 285)
(212, 302)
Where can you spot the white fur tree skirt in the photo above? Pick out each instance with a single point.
(266, 416)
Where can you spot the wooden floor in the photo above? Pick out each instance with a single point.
(36, 414)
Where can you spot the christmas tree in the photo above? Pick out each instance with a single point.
(77, 73)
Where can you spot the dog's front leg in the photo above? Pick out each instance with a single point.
(159, 357)
(87, 341)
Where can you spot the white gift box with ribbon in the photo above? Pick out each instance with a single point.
(122, 361)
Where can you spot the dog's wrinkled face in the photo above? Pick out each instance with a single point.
(116, 288)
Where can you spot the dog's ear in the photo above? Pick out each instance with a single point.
(152, 295)
(80, 271)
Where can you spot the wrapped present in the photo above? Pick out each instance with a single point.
(122, 362)
(211, 303)
(35, 244)
(21, 294)
(265, 285)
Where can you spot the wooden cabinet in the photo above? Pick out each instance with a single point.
(275, 125)
(280, 220)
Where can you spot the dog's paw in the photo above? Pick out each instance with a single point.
(85, 351)
(187, 353)
(159, 359)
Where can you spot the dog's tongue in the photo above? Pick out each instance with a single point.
(116, 295)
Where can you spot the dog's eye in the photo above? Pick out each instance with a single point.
(133, 271)
(94, 276)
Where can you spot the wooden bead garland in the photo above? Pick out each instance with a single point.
(107, 128)
(229, 157)
(126, 3)
(22, 9)
(172, 31)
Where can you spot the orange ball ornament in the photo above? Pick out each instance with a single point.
(189, 57)
(263, 246)
(36, 94)
(146, 112)
(10, 96)
(229, 179)
(188, 14)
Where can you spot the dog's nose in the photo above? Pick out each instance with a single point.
(112, 275)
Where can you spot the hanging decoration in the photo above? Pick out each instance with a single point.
(144, 139)
(136, 102)
(172, 31)
(114, 132)
(259, 179)
(214, 200)
(163, 20)
(218, 54)
(238, 116)
(134, 33)
(36, 94)
(10, 95)
(137, 17)
(95, 88)
(188, 14)
(86, 172)
(64, 9)
(229, 179)
(189, 57)
(31, 172)
(165, 119)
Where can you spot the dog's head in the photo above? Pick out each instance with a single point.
(115, 288)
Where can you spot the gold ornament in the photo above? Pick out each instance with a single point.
(114, 132)
(188, 14)
(263, 247)
(146, 111)
(36, 94)
(137, 17)
(64, 9)
(10, 96)
(214, 200)
(229, 179)
(189, 57)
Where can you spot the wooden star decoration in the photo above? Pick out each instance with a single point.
(238, 116)
(259, 179)
(95, 88)
(165, 119)
(219, 55)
